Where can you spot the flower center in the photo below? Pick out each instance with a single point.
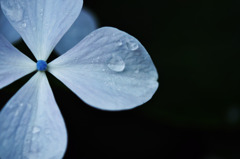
(41, 65)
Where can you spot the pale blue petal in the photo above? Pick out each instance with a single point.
(7, 30)
(13, 64)
(85, 24)
(109, 69)
(41, 23)
(31, 124)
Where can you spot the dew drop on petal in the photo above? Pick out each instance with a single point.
(116, 64)
(24, 25)
(36, 130)
(119, 43)
(136, 71)
(132, 45)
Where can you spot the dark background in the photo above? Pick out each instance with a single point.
(195, 113)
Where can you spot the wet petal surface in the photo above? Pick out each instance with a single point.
(109, 69)
(41, 23)
(13, 63)
(31, 124)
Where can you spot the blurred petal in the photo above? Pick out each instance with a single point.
(109, 69)
(41, 23)
(85, 24)
(13, 64)
(31, 124)
(7, 30)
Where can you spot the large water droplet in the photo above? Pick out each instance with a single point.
(35, 130)
(14, 13)
(132, 45)
(116, 63)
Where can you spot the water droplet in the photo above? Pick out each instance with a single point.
(119, 43)
(21, 104)
(14, 12)
(24, 25)
(132, 45)
(116, 63)
(35, 130)
(136, 71)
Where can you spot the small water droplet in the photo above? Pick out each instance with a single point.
(119, 43)
(132, 45)
(136, 71)
(35, 130)
(21, 104)
(24, 25)
(116, 63)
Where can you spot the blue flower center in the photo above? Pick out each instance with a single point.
(41, 65)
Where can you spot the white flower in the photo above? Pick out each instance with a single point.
(109, 69)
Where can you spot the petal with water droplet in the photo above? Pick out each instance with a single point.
(41, 23)
(84, 24)
(13, 64)
(31, 124)
(7, 30)
(106, 74)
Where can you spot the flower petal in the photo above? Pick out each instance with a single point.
(41, 23)
(7, 30)
(31, 124)
(85, 24)
(13, 64)
(109, 69)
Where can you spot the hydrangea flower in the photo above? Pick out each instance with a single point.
(109, 70)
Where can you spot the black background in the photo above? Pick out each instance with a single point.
(195, 113)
